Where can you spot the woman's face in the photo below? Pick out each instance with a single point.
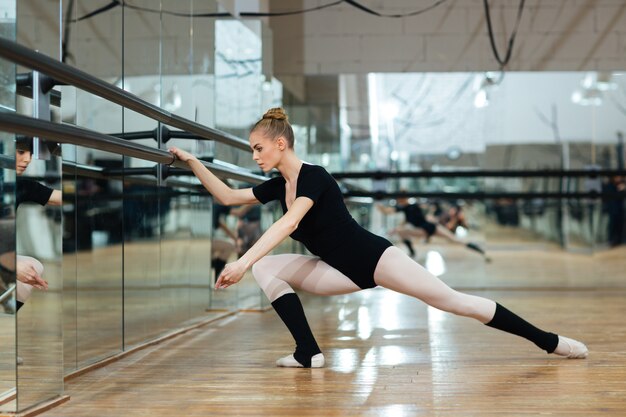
(266, 152)
(22, 159)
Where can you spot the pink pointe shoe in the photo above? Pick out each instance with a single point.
(571, 349)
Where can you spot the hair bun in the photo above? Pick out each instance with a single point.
(277, 113)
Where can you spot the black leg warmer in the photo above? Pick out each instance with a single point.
(510, 322)
(290, 310)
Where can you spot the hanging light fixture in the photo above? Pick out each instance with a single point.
(482, 86)
(593, 86)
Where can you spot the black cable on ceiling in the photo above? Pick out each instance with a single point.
(178, 14)
(98, 11)
(115, 3)
(410, 14)
(276, 14)
(65, 44)
(509, 51)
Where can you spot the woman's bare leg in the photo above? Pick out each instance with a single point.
(398, 272)
(277, 275)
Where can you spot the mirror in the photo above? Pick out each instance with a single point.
(7, 274)
(38, 233)
(39, 274)
(7, 222)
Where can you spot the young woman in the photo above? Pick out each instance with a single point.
(346, 258)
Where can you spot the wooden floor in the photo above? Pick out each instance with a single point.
(389, 355)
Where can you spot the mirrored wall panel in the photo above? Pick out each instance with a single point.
(39, 292)
(138, 250)
(8, 357)
(39, 220)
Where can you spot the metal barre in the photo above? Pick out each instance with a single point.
(62, 72)
(25, 125)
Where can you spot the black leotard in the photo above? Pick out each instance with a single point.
(415, 216)
(328, 230)
(30, 191)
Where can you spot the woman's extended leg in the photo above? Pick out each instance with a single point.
(398, 272)
(277, 275)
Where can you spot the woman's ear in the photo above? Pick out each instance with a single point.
(282, 143)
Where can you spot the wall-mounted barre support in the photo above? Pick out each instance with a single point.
(166, 135)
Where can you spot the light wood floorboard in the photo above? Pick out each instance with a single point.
(389, 355)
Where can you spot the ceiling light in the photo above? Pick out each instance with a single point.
(481, 99)
(587, 97)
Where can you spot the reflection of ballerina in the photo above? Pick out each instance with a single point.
(222, 249)
(347, 258)
(29, 271)
(417, 225)
(248, 226)
(454, 218)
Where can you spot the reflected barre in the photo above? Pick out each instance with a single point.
(539, 173)
(479, 195)
(7, 162)
(6, 294)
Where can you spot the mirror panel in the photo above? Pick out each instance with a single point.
(7, 221)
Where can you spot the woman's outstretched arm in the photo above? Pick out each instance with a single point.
(222, 192)
(272, 237)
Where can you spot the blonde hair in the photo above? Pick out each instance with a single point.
(275, 124)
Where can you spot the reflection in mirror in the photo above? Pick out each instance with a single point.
(39, 278)
(185, 243)
(93, 254)
(238, 63)
(472, 121)
(97, 247)
(223, 250)
(8, 356)
(38, 228)
(143, 313)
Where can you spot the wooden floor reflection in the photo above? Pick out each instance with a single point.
(389, 355)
